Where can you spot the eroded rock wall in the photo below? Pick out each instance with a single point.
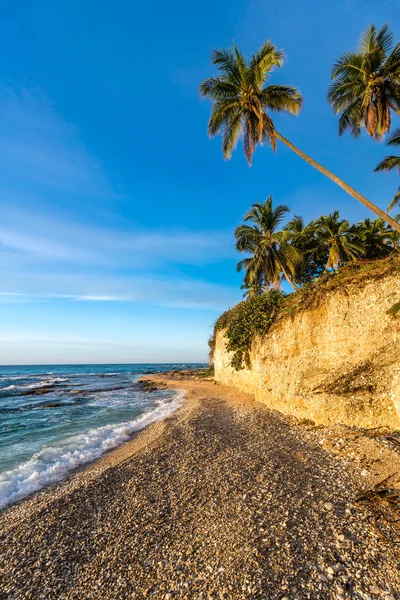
(337, 361)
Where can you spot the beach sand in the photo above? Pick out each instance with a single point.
(223, 499)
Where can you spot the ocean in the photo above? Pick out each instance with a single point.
(54, 419)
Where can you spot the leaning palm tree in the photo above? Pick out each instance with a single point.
(334, 233)
(366, 86)
(242, 103)
(392, 162)
(272, 256)
(253, 289)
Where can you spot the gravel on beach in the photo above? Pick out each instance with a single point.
(225, 500)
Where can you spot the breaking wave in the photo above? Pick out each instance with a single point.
(53, 463)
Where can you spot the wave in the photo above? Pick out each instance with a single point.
(53, 463)
(15, 389)
(24, 376)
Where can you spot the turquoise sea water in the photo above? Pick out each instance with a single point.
(56, 418)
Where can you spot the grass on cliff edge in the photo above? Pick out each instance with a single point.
(254, 316)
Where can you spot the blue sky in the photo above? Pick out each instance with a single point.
(116, 211)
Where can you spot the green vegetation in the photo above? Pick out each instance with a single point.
(325, 253)
(341, 245)
(270, 250)
(299, 253)
(242, 101)
(366, 86)
(394, 310)
(254, 316)
(206, 373)
(392, 162)
(308, 256)
(246, 320)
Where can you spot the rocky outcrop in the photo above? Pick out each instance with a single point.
(336, 360)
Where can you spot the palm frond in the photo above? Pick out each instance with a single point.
(349, 65)
(226, 62)
(389, 163)
(391, 66)
(282, 97)
(296, 224)
(218, 89)
(261, 63)
(351, 118)
(366, 84)
(231, 135)
(394, 138)
(223, 113)
(251, 136)
(367, 39)
(395, 202)
(384, 39)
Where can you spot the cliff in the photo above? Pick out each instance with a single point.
(333, 358)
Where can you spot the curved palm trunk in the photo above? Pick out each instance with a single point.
(341, 183)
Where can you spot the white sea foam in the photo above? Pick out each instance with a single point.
(53, 463)
(49, 382)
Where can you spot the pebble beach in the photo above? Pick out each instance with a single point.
(222, 499)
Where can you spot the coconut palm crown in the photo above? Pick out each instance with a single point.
(242, 100)
(374, 236)
(366, 84)
(272, 257)
(334, 233)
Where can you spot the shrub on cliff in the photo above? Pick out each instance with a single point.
(244, 321)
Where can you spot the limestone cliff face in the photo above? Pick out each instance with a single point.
(335, 361)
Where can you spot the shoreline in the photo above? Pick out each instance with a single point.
(94, 464)
(220, 491)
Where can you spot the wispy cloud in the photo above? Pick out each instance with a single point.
(49, 239)
(110, 287)
(39, 147)
(45, 255)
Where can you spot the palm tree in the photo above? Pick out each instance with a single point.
(272, 256)
(366, 86)
(394, 236)
(305, 239)
(374, 236)
(242, 102)
(392, 162)
(253, 289)
(334, 233)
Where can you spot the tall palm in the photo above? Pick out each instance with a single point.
(242, 103)
(272, 256)
(392, 162)
(366, 86)
(305, 239)
(334, 233)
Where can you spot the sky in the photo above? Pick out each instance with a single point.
(116, 211)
